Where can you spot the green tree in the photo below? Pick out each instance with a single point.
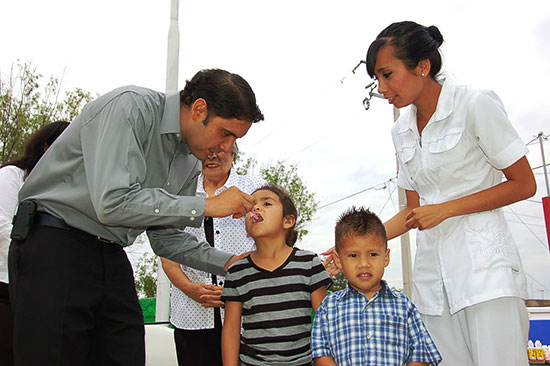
(25, 106)
(146, 275)
(339, 282)
(287, 177)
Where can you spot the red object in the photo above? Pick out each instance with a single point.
(546, 209)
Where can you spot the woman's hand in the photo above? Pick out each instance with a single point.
(206, 295)
(426, 217)
(332, 262)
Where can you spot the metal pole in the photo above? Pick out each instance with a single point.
(162, 308)
(545, 200)
(406, 265)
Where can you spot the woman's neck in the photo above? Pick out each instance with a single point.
(427, 103)
(210, 185)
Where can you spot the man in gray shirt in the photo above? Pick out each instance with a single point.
(127, 164)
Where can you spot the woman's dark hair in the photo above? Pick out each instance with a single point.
(289, 208)
(35, 146)
(227, 95)
(411, 44)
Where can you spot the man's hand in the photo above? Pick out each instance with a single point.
(232, 201)
(206, 295)
(234, 259)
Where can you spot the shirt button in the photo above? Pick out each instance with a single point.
(167, 184)
(192, 218)
(193, 212)
(368, 336)
(157, 210)
(217, 231)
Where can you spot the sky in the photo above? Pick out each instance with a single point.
(298, 56)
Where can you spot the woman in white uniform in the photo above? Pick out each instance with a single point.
(454, 145)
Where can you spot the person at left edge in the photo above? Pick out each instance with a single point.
(128, 163)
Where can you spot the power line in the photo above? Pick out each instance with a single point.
(355, 194)
(527, 226)
(534, 279)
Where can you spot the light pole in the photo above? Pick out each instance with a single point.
(162, 307)
(406, 265)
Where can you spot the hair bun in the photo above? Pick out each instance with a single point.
(436, 34)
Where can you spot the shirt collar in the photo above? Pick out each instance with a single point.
(350, 291)
(231, 181)
(443, 109)
(170, 123)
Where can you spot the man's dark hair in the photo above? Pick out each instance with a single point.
(227, 95)
(358, 222)
(34, 148)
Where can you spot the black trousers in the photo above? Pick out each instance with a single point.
(201, 347)
(74, 301)
(6, 327)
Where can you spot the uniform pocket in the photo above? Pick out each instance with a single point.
(489, 241)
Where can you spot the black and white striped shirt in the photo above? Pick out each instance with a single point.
(276, 308)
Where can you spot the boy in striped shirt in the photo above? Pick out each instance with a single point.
(273, 290)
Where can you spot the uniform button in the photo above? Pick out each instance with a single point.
(192, 218)
(167, 184)
(193, 212)
(157, 210)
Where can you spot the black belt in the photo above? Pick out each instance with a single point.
(45, 219)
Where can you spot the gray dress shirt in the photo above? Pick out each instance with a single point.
(119, 169)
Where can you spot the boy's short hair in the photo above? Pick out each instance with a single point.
(358, 221)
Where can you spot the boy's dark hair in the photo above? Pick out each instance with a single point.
(358, 222)
(411, 43)
(289, 208)
(227, 95)
(34, 148)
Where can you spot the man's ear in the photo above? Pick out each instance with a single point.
(289, 221)
(199, 109)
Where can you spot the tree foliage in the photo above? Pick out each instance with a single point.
(287, 177)
(146, 275)
(25, 106)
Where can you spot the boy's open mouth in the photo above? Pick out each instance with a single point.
(256, 217)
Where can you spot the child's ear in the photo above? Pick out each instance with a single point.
(387, 259)
(289, 221)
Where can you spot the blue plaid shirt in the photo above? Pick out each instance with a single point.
(385, 330)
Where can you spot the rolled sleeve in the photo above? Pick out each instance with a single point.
(422, 347)
(497, 137)
(319, 336)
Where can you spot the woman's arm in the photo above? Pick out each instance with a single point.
(231, 333)
(519, 185)
(204, 294)
(397, 225)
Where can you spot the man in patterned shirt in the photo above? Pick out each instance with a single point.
(367, 323)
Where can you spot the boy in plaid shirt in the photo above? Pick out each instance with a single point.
(367, 323)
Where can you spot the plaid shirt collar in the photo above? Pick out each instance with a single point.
(350, 291)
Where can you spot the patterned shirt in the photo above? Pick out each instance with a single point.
(383, 331)
(276, 308)
(229, 236)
